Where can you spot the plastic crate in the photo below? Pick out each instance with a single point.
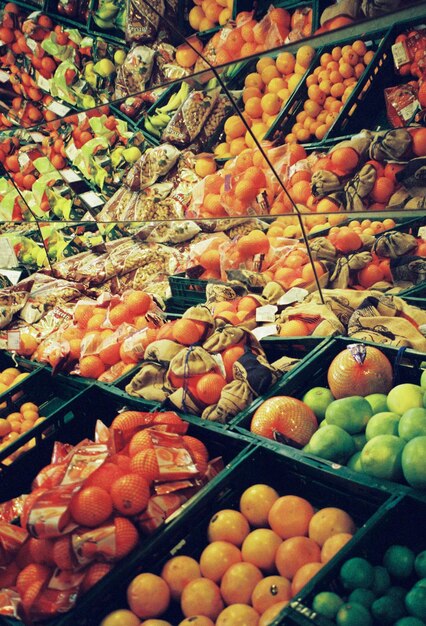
(418, 291)
(54, 398)
(24, 365)
(418, 302)
(398, 523)
(376, 40)
(312, 372)
(189, 291)
(175, 307)
(297, 347)
(104, 405)
(258, 465)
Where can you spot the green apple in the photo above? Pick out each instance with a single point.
(104, 68)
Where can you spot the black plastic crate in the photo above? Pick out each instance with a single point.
(312, 372)
(397, 524)
(258, 465)
(55, 399)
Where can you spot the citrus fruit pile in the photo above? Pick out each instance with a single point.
(391, 593)
(257, 558)
(16, 424)
(9, 377)
(102, 498)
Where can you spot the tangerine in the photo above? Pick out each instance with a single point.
(330, 521)
(178, 572)
(216, 558)
(269, 591)
(290, 515)
(239, 582)
(130, 494)
(148, 595)
(201, 596)
(91, 506)
(228, 525)
(295, 552)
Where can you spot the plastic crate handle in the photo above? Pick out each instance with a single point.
(397, 365)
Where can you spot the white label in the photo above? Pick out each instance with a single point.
(410, 110)
(219, 361)
(295, 294)
(71, 151)
(13, 339)
(266, 313)
(4, 77)
(13, 275)
(31, 44)
(400, 54)
(58, 108)
(43, 83)
(422, 232)
(91, 199)
(23, 159)
(81, 117)
(37, 137)
(264, 331)
(70, 176)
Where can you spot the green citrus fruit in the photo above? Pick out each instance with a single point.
(415, 602)
(327, 603)
(359, 441)
(357, 572)
(409, 621)
(404, 397)
(352, 614)
(362, 596)
(399, 561)
(420, 564)
(332, 443)
(351, 414)
(354, 462)
(318, 400)
(381, 457)
(412, 424)
(385, 423)
(387, 610)
(414, 462)
(396, 592)
(377, 401)
(423, 379)
(382, 580)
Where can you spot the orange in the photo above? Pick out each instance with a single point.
(300, 192)
(91, 506)
(28, 344)
(269, 591)
(305, 55)
(293, 328)
(185, 56)
(228, 525)
(257, 178)
(286, 275)
(216, 558)
(333, 544)
(238, 615)
(345, 159)
(268, 73)
(290, 516)
(91, 366)
(308, 273)
(295, 552)
(270, 103)
(94, 573)
(197, 620)
(383, 189)
(187, 332)
(260, 547)
(239, 582)
(370, 275)
(348, 241)
(391, 170)
(130, 494)
(303, 576)
(234, 42)
(210, 260)
(146, 465)
(201, 596)
(325, 205)
(148, 595)
(119, 314)
(256, 502)
(137, 302)
(121, 617)
(126, 536)
(178, 572)
(270, 615)
(104, 476)
(229, 356)
(234, 127)
(328, 522)
(209, 387)
(256, 242)
(285, 63)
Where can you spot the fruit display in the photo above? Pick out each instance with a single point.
(362, 419)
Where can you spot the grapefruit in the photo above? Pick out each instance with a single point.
(377, 401)
(351, 414)
(385, 423)
(318, 400)
(381, 457)
(404, 397)
(359, 369)
(332, 443)
(412, 424)
(285, 416)
(414, 462)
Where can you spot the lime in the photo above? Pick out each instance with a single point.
(420, 564)
(359, 440)
(354, 462)
(385, 423)
(382, 580)
(351, 414)
(332, 443)
(357, 572)
(377, 401)
(414, 462)
(423, 379)
(399, 561)
(362, 596)
(415, 601)
(318, 400)
(412, 424)
(421, 583)
(404, 397)
(409, 621)
(387, 610)
(327, 603)
(352, 614)
(397, 592)
(381, 457)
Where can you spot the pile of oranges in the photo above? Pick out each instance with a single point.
(328, 88)
(257, 558)
(206, 14)
(9, 377)
(16, 424)
(265, 93)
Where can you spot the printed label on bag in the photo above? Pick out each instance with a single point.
(58, 108)
(264, 331)
(400, 54)
(295, 294)
(13, 339)
(266, 313)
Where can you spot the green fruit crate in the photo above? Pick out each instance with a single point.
(418, 302)
(114, 34)
(174, 306)
(25, 366)
(398, 523)
(376, 40)
(188, 291)
(189, 533)
(295, 347)
(54, 398)
(312, 372)
(384, 77)
(100, 404)
(418, 291)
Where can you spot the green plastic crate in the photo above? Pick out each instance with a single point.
(24, 365)
(104, 405)
(418, 302)
(297, 347)
(418, 291)
(188, 291)
(397, 523)
(257, 465)
(312, 372)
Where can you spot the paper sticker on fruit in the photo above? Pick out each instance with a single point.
(361, 368)
(285, 419)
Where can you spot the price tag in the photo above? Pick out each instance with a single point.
(23, 159)
(58, 108)
(70, 176)
(295, 294)
(81, 117)
(410, 110)
(43, 83)
(264, 331)
(13, 339)
(4, 77)
(400, 54)
(91, 199)
(266, 313)
(37, 137)
(71, 151)
(422, 232)
(13, 275)
(31, 44)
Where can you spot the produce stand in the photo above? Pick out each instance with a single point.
(203, 207)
